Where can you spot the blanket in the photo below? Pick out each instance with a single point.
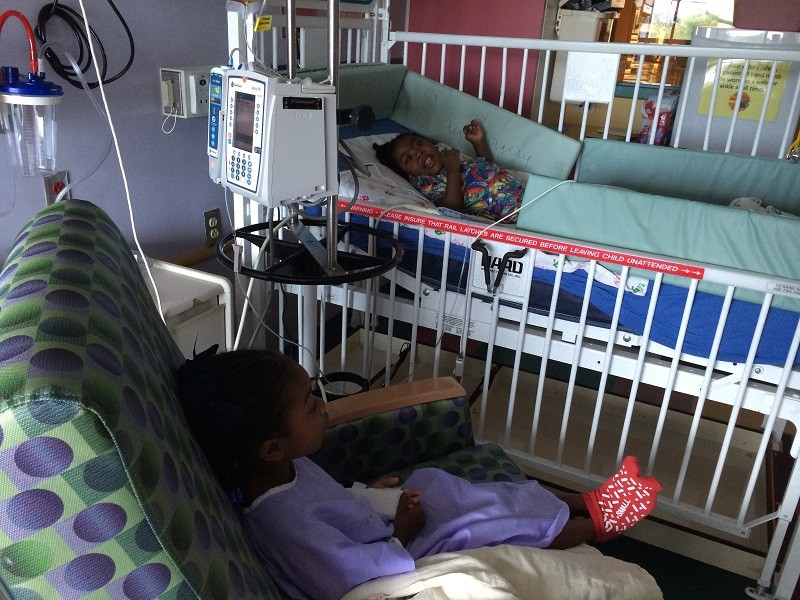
(515, 573)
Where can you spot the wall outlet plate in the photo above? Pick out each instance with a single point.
(184, 91)
(53, 184)
(213, 226)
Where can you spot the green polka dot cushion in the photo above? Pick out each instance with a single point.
(437, 434)
(103, 492)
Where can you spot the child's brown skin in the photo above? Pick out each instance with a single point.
(417, 156)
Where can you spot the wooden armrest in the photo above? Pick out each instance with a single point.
(397, 396)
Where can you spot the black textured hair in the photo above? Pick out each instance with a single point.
(233, 402)
(384, 154)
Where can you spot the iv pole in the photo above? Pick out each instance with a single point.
(304, 262)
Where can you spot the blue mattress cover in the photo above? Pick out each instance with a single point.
(707, 307)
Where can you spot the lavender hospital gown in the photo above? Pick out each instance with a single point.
(319, 541)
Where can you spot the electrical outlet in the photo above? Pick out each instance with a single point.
(53, 184)
(213, 226)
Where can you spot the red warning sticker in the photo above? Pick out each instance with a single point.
(525, 240)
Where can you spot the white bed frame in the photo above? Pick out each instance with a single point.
(726, 395)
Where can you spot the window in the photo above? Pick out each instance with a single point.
(665, 22)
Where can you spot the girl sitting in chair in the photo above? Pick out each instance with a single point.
(257, 421)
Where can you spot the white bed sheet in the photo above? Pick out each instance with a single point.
(516, 573)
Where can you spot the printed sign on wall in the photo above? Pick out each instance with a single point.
(754, 93)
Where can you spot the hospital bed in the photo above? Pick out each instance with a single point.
(713, 329)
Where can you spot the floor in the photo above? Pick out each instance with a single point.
(680, 577)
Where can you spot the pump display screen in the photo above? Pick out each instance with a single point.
(244, 110)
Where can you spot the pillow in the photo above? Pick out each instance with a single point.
(382, 191)
(363, 151)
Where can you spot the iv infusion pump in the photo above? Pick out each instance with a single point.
(272, 140)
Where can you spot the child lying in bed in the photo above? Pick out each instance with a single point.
(257, 421)
(475, 187)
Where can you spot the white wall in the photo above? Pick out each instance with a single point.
(167, 174)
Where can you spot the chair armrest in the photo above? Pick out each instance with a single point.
(393, 397)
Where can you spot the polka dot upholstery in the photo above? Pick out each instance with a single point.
(396, 442)
(103, 492)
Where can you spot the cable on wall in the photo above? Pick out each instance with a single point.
(73, 20)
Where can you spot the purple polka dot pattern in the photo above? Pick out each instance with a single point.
(134, 406)
(100, 522)
(35, 286)
(56, 359)
(67, 299)
(147, 582)
(202, 535)
(104, 358)
(47, 219)
(101, 485)
(35, 509)
(52, 414)
(109, 305)
(236, 581)
(171, 474)
(43, 456)
(156, 422)
(14, 347)
(75, 257)
(37, 249)
(89, 572)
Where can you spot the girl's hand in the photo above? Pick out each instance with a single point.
(451, 159)
(410, 516)
(385, 482)
(473, 132)
(475, 135)
(453, 197)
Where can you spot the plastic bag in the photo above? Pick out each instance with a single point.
(663, 125)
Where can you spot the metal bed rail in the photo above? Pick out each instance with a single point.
(362, 26)
(727, 468)
(500, 70)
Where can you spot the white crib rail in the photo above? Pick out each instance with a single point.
(362, 27)
(726, 455)
(531, 92)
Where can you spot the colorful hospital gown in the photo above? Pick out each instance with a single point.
(318, 541)
(489, 191)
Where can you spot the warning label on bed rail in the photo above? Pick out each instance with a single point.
(520, 239)
(788, 289)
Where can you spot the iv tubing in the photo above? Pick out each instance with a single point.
(63, 193)
(121, 165)
(34, 58)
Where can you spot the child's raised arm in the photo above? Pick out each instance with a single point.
(454, 191)
(475, 135)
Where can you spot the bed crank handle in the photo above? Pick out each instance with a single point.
(504, 263)
(486, 262)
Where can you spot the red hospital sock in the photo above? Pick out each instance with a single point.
(622, 501)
